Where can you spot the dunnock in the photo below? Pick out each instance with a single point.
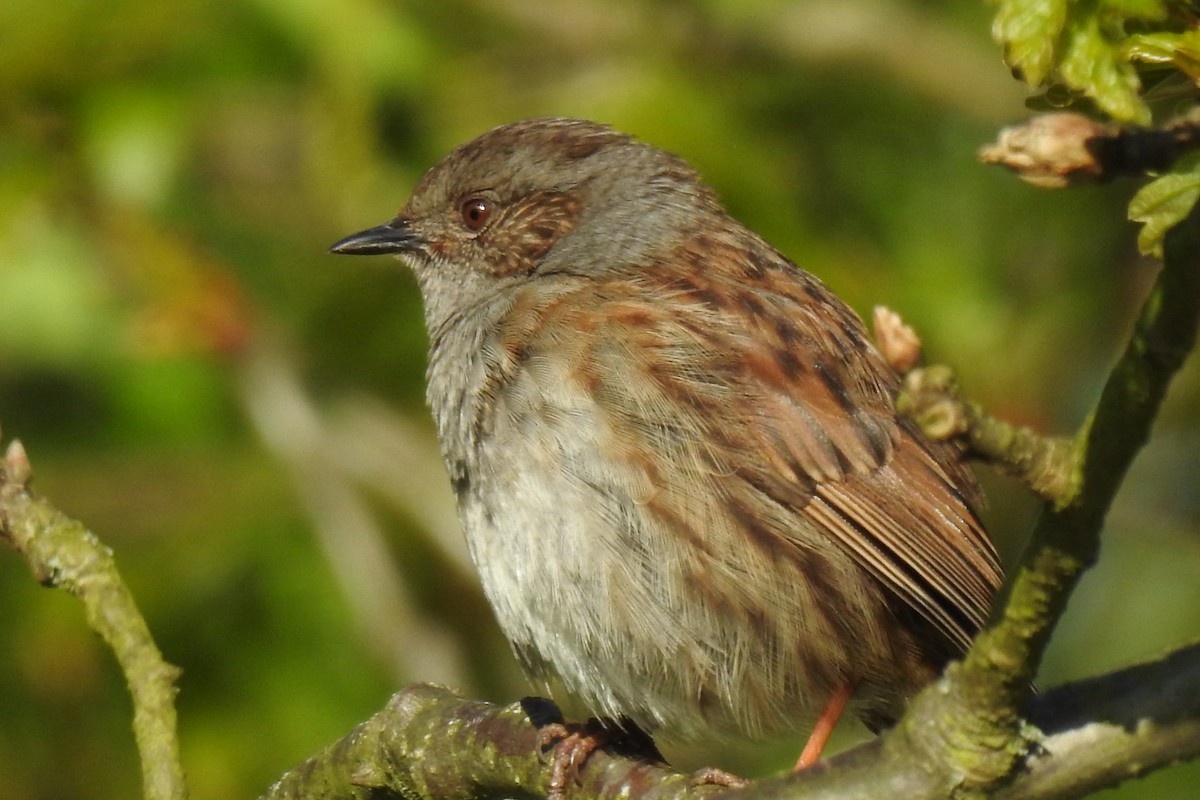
(676, 455)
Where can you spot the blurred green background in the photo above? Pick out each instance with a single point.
(240, 415)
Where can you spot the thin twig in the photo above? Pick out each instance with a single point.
(63, 553)
(932, 399)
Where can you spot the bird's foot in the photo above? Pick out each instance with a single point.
(570, 746)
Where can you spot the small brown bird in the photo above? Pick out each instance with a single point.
(677, 459)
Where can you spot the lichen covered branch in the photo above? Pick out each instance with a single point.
(63, 553)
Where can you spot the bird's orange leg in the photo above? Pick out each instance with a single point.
(824, 727)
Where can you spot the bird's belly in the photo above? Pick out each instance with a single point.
(590, 588)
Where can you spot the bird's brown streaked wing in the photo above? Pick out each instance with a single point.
(795, 411)
(825, 438)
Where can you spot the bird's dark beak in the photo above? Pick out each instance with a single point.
(396, 236)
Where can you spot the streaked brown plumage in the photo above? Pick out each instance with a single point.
(677, 459)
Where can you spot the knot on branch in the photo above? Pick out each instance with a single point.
(978, 741)
(931, 398)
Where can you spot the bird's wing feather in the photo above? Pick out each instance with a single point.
(796, 409)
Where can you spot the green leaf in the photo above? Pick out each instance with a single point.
(1096, 65)
(1163, 202)
(1030, 30)
(1135, 9)
(1153, 48)
(1180, 49)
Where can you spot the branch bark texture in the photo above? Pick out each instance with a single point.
(431, 744)
(64, 554)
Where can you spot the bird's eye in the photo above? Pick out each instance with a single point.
(476, 211)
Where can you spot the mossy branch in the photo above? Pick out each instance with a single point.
(983, 696)
(431, 744)
(932, 398)
(63, 553)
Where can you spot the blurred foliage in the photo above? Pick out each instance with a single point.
(170, 175)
